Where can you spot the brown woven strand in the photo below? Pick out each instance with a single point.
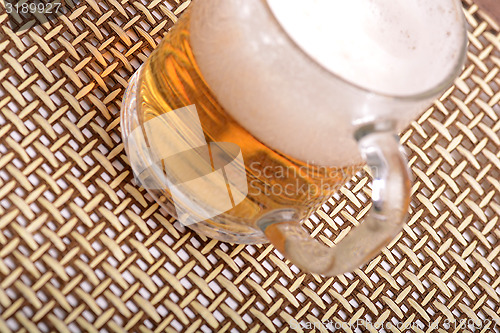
(82, 249)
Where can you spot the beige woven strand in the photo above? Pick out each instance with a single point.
(82, 249)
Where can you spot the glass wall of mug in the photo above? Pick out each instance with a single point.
(238, 75)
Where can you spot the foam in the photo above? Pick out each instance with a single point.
(288, 101)
(397, 47)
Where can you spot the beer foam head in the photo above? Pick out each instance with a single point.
(397, 47)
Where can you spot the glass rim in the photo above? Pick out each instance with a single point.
(426, 94)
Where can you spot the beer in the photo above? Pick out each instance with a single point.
(292, 119)
(171, 79)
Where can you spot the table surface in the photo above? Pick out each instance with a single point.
(83, 249)
(492, 7)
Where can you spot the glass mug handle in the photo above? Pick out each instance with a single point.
(380, 148)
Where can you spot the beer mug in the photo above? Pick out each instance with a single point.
(249, 115)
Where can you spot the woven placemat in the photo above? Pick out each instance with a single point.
(82, 249)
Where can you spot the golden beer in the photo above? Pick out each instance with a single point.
(171, 79)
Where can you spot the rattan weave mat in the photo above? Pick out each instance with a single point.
(83, 249)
